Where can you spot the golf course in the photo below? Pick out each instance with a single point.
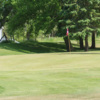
(49, 49)
(49, 74)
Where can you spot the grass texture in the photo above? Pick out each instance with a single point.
(46, 72)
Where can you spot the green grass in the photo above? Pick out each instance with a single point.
(75, 75)
(30, 48)
(46, 72)
(51, 39)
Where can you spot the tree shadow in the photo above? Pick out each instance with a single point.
(77, 50)
(30, 47)
(34, 47)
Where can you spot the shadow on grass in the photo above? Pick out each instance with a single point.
(77, 50)
(30, 47)
(34, 47)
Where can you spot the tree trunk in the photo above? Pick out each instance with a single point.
(81, 42)
(86, 43)
(5, 36)
(93, 40)
(69, 48)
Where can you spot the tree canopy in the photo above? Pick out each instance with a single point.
(82, 17)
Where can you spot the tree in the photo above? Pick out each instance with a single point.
(5, 10)
(95, 21)
(80, 16)
(43, 13)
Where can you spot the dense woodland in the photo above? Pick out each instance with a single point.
(28, 19)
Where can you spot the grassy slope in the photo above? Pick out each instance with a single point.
(72, 74)
(45, 46)
(30, 48)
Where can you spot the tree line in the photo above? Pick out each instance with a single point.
(29, 18)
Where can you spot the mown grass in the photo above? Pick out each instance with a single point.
(45, 69)
(74, 75)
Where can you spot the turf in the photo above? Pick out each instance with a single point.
(31, 47)
(44, 71)
(74, 75)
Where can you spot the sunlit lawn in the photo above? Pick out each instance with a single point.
(49, 76)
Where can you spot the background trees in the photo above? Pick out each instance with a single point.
(43, 15)
(28, 17)
(82, 18)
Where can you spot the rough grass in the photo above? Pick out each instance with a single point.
(30, 47)
(51, 39)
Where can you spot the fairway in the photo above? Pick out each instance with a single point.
(50, 76)
(49, 50)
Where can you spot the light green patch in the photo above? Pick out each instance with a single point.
(49, 74)
(26, 73)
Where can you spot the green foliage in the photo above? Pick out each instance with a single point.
(80, 16)
(5, 10)
(41, 12)
(26, 18)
